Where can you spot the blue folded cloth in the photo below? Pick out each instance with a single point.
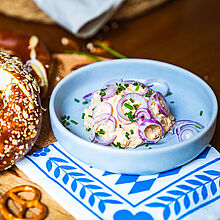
(84, 18)
(188, 192)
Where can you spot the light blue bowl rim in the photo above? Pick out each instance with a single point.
(135, 61)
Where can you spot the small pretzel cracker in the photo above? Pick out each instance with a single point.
(25, 204)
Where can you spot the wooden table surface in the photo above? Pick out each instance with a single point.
(183, 32)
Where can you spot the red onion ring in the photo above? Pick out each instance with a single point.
(179, 124)
(142, 114)
(112, 83)
(158, 98)
(162, 84)
(187, 132)
(110, 91)
(144, 125)
(103, 121)
(133, 96)
(125, 122)
(106, 104)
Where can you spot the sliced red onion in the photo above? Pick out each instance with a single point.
(125, 122)
(103, 121)
(88, 95)
(110, 91)
(144, 125)
(142, 114)
(158, 85)
(133, 96)
(106, 105)
(179, 124)
(158, 98)
(112, 83)
(187, 132)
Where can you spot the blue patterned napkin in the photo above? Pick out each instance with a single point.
(188, 192)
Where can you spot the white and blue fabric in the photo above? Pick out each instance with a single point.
(84, 18)
(188, 192)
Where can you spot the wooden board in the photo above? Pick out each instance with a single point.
(14, 177)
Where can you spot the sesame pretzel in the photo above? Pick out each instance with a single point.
(20, 113)
(25, 204)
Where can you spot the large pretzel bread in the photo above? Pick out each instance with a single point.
(20, 110)
(31, 51)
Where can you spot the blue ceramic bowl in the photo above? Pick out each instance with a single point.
(190, 95)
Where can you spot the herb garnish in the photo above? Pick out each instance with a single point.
(85, 102)
(127, 135)
(146, 144)
(197, 126)
(138, 86)
(135, 106)
(83, 115)
(130, 116)
(171, 101)
(88, 129)
(149, 93)
(100, 132)
(169, 93)
(76, 100)
(63, 117)
(126, 85)
(132, 132)
(131, 100)
(74, 122)
(90, 116)
(128, 106)
(201, 112)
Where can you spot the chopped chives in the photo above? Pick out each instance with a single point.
(119, 125)
(201, 112)
(74, 122)
(64, 121)
(197, 126)
(143, 86)
(138, 86)
(85, 102)
(150, 148)
(63, 117)
(146, 144)
(83, 115)
(118, 144)
(77, 100)
(101, 99)
(68, 117)
(126, 85)
(131, 100)
(102, 93)
(135, 106)
(128, 106)
(127, 135)
(100, 131)
(90, 116)
(122, 95)
(130, 116)
(169, 93)
(114, 144)
(149, 93)
(67, 123)
(171, 101)
(131, 131)
(135, 84)
(88, 129)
